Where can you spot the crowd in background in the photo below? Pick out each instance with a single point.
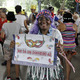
(20, 23)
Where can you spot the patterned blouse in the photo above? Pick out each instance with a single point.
(69, 37)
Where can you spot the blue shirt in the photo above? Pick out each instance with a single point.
(56, 18)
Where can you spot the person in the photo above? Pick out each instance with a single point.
(23, 12)
(69, 33)
(8, 29)
(21, 19)
(60, 15)
(55, 18)
(3, 20)
(33, 14)
(42, 26)
(0, 12)
(77, 22)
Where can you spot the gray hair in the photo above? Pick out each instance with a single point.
(4, 10)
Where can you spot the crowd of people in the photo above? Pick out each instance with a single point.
(63, 26)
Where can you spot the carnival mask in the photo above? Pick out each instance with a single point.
(37, 43)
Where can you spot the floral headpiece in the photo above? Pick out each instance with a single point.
(43, 12)
(35, 29)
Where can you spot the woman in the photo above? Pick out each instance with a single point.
(8, 29)
(3, 20)
(42, 26)
(69, 33)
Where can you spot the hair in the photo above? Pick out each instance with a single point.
(51, 8)
(0, 8)
(4, 10)
(67, 17)
(18, 8)
(11, 16)
(35, 27)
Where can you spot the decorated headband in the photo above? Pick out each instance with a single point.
(44, 12)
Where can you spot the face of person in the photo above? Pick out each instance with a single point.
(2, 14)
(33, 10)
(44, 22)
(52, 11)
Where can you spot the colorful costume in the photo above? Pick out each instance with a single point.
(54, 73)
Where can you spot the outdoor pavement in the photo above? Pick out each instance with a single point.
(74, 76)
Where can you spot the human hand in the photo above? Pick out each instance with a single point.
(26, 31)
(59, 46)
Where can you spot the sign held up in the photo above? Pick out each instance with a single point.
(34, 50)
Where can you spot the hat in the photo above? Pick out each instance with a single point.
(35, 29)
(33, 6)
(67, 17)
(46, 13)
(23, 12)
(11, 16)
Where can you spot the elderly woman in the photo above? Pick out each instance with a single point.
(42, 26)
(69, 33)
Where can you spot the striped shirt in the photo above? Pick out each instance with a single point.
(69, 37)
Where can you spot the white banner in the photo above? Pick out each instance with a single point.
(34, 50)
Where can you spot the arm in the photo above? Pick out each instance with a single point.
(60, 41)
(75, 28)
(25, 23)
(59, 21)
(58, 36)
(2, 34)
(3, 31)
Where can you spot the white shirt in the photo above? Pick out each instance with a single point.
(20, 19)
(77, 22)
(10, 29)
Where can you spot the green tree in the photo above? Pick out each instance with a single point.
(1, 2)
(71, 4)
(55, 3)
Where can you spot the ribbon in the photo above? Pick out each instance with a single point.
(64, 56)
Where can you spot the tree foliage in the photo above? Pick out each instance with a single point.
(55, 3)
(1, 2)
(71, 4)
